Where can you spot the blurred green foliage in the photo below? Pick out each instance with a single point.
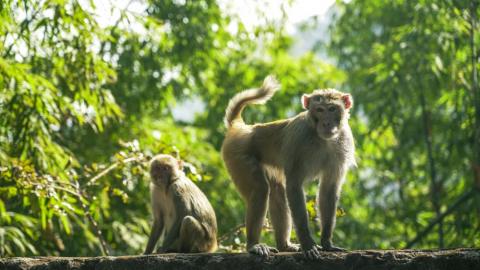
(83, 107)
(410, 70)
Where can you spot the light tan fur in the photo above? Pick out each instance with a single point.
(182, 216)
(251, 96)
(269, 162)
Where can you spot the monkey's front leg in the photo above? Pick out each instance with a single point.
(157, 228)
(327, 199)
(280, 217)
(296, 201)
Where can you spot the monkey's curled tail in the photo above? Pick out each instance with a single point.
(251, 96)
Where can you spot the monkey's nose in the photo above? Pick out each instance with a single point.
(327, 124)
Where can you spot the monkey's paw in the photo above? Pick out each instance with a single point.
(262, 250)
(290, 248)
(313, 253)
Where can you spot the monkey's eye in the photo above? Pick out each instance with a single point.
(320, 109)
(316, 98)
(332, 109)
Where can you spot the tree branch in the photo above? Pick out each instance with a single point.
(465, 197)
(110, 168)
(86, 210)
(434, 185)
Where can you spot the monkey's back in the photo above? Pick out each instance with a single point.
(198, 206)
(283, 143)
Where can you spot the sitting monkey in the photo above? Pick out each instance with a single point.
(182, 214)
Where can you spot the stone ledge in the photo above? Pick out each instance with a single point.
(457, 259)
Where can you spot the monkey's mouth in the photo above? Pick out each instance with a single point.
(329, 134)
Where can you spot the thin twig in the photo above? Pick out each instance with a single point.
(110, 168)
(86, 210)
(434, 185)
(98, 232)
(231, 232)
(84, 197)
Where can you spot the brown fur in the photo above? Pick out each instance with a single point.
(182, 215)
(269, 162)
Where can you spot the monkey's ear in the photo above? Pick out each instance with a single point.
(180, 164)
(347, 101)
(305, 101)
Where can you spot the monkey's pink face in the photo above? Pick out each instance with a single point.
(327, 114)
(327, 119)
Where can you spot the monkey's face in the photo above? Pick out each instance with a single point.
(327, 109)
(327, 119)
(161, 174)
(163, 169)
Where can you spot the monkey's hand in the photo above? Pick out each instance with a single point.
(333, 248)
(328, 246)
(262, 250)
(313, 253)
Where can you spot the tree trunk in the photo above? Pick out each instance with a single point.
(458, 259)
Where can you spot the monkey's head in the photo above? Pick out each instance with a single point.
(164, 169)
(328, 111)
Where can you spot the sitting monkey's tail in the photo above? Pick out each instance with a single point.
(251, 96)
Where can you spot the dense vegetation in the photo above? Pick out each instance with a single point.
(83, 106)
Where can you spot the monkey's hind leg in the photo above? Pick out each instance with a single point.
(192, 236)
(280, 217)
(249, 177)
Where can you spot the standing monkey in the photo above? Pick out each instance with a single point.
(269, 163)
(182, 214)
